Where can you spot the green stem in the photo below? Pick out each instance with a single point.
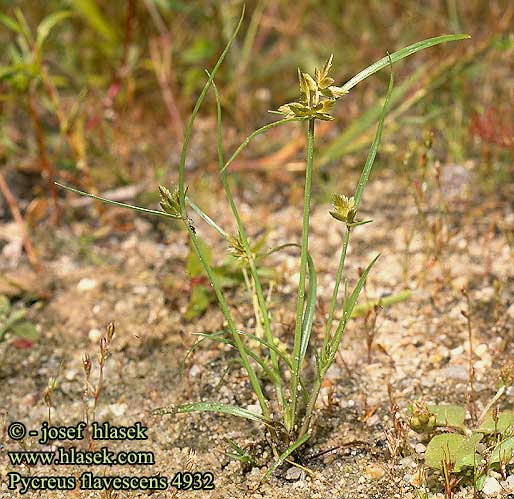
(232, 327)
(311, 404)
(250, 137)
(333, 302)
(251, 259)
(189, 129)
(295, 375)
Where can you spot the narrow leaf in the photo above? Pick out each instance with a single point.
(350, 304)
(285, 455)
(47, 24)
(116, 203)
(310, 307)
(374, 146)
(206, 217)
(400, 54)
(10, 23)
(96, 20)
(210, 407)
(362, 309)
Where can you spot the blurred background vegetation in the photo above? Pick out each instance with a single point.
(96, 93)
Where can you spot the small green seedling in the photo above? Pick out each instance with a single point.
(13, 322)
(24, 75)
(456, 452)
(245, 458)
(288, 408)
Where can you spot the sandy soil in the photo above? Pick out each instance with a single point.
(131, 270)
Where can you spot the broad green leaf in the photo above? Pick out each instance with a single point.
(467, 456)
(13, 319)
(200, 299)
(400, 54)
(502, 453)
(448, 415)
(443, 448)
(47, 24)
(455, 449)
(505, 421)
(25, 330)
(479, 484)
(211, 407)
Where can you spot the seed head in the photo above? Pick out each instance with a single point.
(170, 202)
(317, 95)
(344, 208)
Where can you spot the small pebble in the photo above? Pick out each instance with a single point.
(420, 448)
(94, 335)
(373, 420)
(118, 409)
(256, 408)
(293, 474)
(491, 486)
(374, 471)
(86, 284)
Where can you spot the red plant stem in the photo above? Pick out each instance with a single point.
(16, 214)
(47, 170)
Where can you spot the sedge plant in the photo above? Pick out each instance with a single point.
(288, 410)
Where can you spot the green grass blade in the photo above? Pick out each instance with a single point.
(311, 295)
(352, 300)
(249, 254)
(206, 218)
(189, 128)
(348, 309)
(10, 23)
(254, 134)
(227, 341)
(310, 307)
(24, 27)
(264, 343)
(277, 249)
(93, 16)
(400, 54)
(285, 455)
(362, 309)
(196, 344)
(232, 410)
(116, 203)
(254, 381)
(335, 293)
(47, 24)
(376, 143)
(356, 135)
